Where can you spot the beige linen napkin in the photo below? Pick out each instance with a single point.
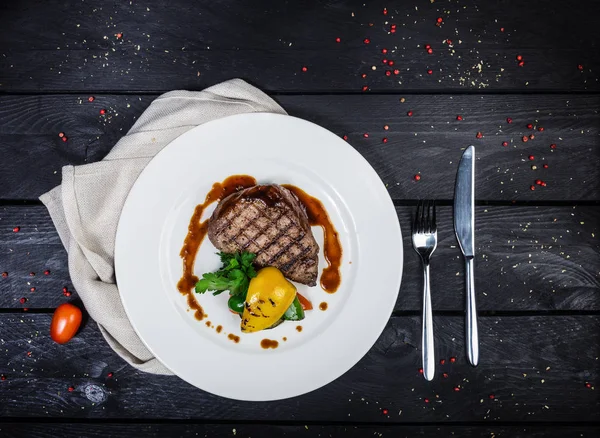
(86, 207)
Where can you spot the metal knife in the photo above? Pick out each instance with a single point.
(464, 225)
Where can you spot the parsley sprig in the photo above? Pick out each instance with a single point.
(234, 275)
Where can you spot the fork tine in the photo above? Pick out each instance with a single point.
(423, 207)
(416, 224)
(428, 223)
(433, 223)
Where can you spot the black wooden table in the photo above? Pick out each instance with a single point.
(362, 71)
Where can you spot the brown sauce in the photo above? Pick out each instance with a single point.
(299, 328)
(233, 338)
(197, 231)
(219, 328)
(284, 339)
(317, 215)
(208, 323)
(268, 343)
(323, 306)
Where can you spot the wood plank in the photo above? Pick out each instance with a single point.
(269, 44)
(152, 430)
(429, 143)
(529, 259)
(536, 368)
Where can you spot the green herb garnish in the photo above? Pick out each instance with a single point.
(234, 275)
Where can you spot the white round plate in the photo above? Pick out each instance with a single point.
(154, 222)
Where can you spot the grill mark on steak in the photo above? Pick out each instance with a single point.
(269, 221)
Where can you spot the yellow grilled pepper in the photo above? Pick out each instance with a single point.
(269, 296)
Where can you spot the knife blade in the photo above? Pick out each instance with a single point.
(464, 226)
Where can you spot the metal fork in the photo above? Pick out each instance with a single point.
(424, 238)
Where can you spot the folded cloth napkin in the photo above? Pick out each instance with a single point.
(86, 207)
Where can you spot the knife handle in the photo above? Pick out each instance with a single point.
(471, 321)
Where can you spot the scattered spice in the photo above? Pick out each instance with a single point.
(366, 41)
(102, 111)
(384, 411)
(459, 118)
(338, 40)
(508, 120)
(4, 274)
(365, 88)
(504, 143)
(47, 272)
(384, 51)
(32, 289)
(545, 166)
(91, 99)
(445, 375)
(61, 134)
(519, 58)
(366, 135)
(16, 229)
(409, 114)
(525, 139)
(479, 135)
(532, 188)
(452, 359)
(345, 137)
(442, 361)
(541, 129)
(304, 68)
(64, 139)
(492, 396)
(420, 370)
(430, 51)
(23, 300)
(529, 126)
(417, 177)
(429, 72)
(384, 140)
(396, 71)
(71, 389)
(552, 146)
(580, 67)
(456, 389)
(110, 374)
(426, 400)
(531, 158)
(521, 64)
(531, 137)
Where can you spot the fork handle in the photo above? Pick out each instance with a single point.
(472, 340)
(427, 333)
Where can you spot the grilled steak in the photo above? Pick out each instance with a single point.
(269, 221)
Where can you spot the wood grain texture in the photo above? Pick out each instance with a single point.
(529, 259)
(429, 143)
(57, 45)
(150, 430)
(536, 368)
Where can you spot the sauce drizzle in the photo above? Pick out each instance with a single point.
(268, 343)
(323, 306)
(197, 231)
(317, 215)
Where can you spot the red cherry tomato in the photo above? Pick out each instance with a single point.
(65, 323)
